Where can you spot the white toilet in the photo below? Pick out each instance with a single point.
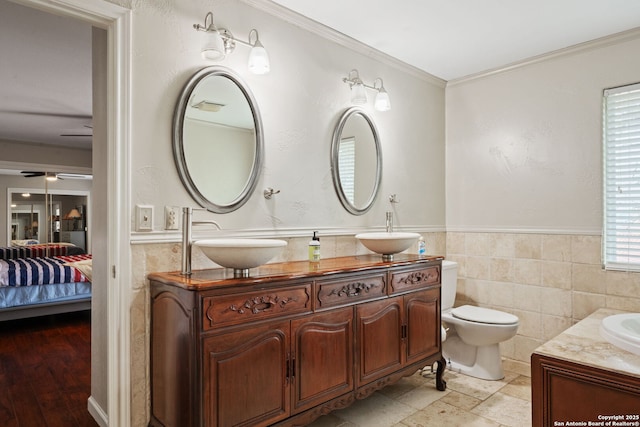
(472, 340)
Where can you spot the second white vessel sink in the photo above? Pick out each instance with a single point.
(623, 331)
(240, 254)
(387, 243)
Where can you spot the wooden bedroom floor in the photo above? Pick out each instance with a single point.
(45, 371)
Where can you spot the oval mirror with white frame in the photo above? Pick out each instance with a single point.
(356, 161)
(218, 139)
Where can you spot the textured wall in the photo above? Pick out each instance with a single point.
(300, 100)
(524, 145)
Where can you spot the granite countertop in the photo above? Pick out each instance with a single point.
(582, 343)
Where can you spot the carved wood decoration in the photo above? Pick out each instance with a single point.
(418, 277)
(260, 304)
(282, 351)
(354, 289)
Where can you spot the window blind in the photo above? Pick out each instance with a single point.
(347, 167)
(621, 138)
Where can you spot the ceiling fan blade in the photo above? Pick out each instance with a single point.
(31, 174)
(50, 114)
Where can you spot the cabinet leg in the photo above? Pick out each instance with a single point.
(441, 384)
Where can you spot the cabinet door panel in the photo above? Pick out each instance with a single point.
(323, 349)
(244, 377)
(379, 332)
(423, 324)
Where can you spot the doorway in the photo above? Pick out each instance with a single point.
(110, 395)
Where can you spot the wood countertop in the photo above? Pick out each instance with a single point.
(223, 277)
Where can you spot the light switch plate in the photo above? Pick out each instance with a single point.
(171, 218)
(144, 218)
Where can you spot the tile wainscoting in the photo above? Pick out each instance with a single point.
(550, 281)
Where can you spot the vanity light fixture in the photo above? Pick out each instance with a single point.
(221, 42)
(358, 93)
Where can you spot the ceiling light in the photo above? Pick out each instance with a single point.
(358, 92)
(220, 42)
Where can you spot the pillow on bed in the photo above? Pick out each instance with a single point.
(85, 267)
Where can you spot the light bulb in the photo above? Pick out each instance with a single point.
(259, 59)
(214, 48)
(382, 101)
(358, 94)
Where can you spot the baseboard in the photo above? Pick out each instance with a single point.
(97, 413)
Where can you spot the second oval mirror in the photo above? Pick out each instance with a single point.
(217, 140)
(356, 161)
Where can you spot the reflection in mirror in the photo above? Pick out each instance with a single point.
(54, 217)
(356, 161)
(217, 139)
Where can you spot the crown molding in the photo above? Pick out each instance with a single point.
(612, 39)
(337, 37)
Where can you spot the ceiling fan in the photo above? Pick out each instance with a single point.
(55, 175)
(86, 134)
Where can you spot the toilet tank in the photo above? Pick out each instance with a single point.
(449, 282)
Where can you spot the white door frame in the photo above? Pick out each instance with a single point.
(116, 20)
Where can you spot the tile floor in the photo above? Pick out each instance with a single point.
(415, 402)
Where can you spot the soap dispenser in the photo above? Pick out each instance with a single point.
(314, 248)
(422, 246)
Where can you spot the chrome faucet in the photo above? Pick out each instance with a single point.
(187, 243)
(389, 222)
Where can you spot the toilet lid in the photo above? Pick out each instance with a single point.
(483, 315)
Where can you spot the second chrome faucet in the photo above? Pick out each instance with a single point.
(389, 222)
(187, 240)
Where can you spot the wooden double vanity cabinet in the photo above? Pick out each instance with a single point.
(292, 342)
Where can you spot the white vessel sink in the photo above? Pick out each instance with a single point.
(387, 243)
(240, 254)
(622, 330)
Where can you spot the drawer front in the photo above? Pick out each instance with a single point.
(332, 293)
(225, 310)
(407, 280)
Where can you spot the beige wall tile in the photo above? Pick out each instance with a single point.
(504, 245)
(436, 243)
(456, 243)
(530, 323)
(478, 244)
(497, 294)
(588, 278)
(461, 293)
(528, 246)
(527, 297)
(584, 304)
(622, 283)
(556, 274)
(552, 326)
(527, 271)
(623, 303)
(478, 267)
(501, 270)
(524, 346)
(508, 348)
(586, 249)
(471, 291)
(556, 247)
(557, 302)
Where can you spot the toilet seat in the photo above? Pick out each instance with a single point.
(483, 315)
